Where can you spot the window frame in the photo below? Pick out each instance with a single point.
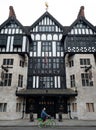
(7, 79)
(44, 82)
(72, 81)
(90, 107)
(8, 61)
(3, 107)
(3, 40)
(74, 107)
(18, 40)
(18, 107)
(20, 80)
(85, 78)
(84, 61)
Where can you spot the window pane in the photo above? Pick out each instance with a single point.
(8, 61)
(18, 40)
(89, 107)
(3, 40)
(74, 107)
(46, 82)
(4, 107)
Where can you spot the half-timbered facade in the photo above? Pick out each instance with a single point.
(47, 65)
(14, 49)
(80, 48)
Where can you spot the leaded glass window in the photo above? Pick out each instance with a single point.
(7, 79)
(3, 40)
(3, 107)
(90, 107)
(20, 80)
(18, 40)
(46, 47)
(85, 61)
(34, 49)
(8, 61)
(72, 80)
(46, 82)
(86, 79)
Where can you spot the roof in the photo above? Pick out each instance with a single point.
(80, 17)
(12, 19)
(46, 14)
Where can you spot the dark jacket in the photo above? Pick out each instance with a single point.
(43, 114)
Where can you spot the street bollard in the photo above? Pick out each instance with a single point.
(31, 117)
(60, 116)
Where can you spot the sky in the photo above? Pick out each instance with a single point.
(64, 11)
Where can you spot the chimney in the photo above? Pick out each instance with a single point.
(11, 12)
(81, 12)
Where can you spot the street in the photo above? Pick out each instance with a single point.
(56, 128)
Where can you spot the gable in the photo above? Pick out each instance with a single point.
(82, 28)
(12, 26)
(13, 37)
(46, 23)
(81, 37)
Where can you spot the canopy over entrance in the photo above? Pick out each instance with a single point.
(52, 92)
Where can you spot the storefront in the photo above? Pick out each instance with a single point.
(55, 101)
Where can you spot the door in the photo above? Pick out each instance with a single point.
(49, 104)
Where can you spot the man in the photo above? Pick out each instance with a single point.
(44, 115)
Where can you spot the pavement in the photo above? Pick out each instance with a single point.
(64, 123)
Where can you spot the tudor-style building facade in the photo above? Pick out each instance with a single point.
(47, 65)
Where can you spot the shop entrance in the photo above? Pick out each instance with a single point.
(49, 104)
(52, 104)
